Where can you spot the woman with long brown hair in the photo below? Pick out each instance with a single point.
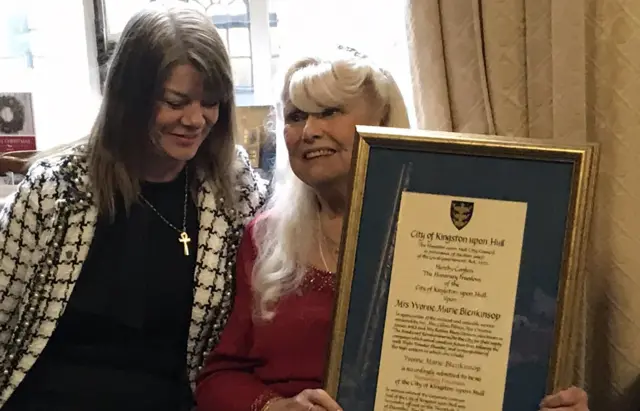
(116, 253)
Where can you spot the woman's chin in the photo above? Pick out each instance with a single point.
(181, 153)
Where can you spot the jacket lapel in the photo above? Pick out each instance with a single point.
(62, 250)
(213, 283)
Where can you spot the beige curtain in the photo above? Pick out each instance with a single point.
(505, 67)
(567, 70)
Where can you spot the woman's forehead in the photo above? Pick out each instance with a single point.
(314, 106)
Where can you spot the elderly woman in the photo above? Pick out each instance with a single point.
(273, 353)
(116, 254)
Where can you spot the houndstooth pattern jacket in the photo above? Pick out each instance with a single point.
(46, 229)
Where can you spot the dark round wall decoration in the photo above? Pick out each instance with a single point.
(17, 115)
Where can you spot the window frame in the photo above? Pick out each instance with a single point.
(259, 24)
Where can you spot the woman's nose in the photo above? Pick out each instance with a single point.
(312, 128)
(194, 115)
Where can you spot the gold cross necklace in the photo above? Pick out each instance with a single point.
(184, 238)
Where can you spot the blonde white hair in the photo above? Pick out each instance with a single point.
(283, 238)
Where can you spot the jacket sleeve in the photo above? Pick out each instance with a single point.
(227, 381)
(253, 187)
(20, 229)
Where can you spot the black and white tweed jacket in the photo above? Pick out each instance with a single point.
(46, 229)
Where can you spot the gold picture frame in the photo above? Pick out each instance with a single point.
(462, 165)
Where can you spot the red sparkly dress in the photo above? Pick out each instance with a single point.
(257, 361)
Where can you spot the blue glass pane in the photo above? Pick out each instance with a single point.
(14, 35)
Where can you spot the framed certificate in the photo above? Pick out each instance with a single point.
(461, 271)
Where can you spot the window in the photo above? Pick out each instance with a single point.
(257, 31)
(246, 27)
(15, 50)
(373, 27)
(53, 59)
(57, 59)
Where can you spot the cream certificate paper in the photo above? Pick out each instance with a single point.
(451, 304)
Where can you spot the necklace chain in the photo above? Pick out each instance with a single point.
(184, 237)
(322, 236)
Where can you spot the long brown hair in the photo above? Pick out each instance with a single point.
(153, 42)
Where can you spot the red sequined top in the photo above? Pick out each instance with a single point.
(257, 361)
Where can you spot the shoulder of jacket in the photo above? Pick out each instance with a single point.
(58, 172)
(248, 179)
